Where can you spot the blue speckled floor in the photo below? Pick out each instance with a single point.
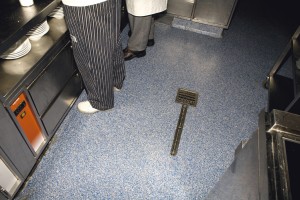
(124, 153)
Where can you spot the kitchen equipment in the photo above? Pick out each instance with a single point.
(28, 122)
(8, 181)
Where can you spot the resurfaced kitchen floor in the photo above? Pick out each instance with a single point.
(124, 153)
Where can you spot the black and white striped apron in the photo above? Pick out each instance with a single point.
(95, 35)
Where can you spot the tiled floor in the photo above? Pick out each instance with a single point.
(124, 153)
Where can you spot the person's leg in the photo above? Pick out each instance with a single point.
(118, 61)
(75, 28)
(151, 34)
(137, 43)
(139, 33)
(131, 23)
(94, 59)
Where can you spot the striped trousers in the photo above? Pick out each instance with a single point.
(95, 35)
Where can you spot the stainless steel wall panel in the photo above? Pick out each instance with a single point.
(182, 8)
(214, 12)
(211, 12)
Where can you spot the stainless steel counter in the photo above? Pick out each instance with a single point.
(240, 181)
(267, 166)
(41, 86)
(13, 73)
(17, 20)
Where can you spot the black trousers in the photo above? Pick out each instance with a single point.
(95, 35)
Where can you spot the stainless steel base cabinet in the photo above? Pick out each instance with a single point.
(58, 109)
(54, 91)
(53, 79)
(9, 181)
(14, 145)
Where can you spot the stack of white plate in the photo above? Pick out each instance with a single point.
(18, 50)
(58, 13)
(38, 31)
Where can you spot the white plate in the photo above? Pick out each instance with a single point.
(17, 47)
(57, 13)
(20, 47)
(57, 16)
(41, 28)
(23, 52)
(19, 55)
(38, 36)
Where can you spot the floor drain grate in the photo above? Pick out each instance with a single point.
(186, 98)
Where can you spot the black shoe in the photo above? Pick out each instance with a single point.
(150, 42)
(128, 54)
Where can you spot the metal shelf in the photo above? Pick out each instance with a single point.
(296, 60)
(16, 20)
(281, 92)
(284, 92)
(13, 73)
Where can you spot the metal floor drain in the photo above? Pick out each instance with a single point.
(186, 98)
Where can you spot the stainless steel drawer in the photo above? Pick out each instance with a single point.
(48, 85)
(62, 103)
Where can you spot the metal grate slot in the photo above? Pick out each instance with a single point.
(185, 96)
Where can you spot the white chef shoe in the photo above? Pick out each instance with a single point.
(86, 107)
(117, 89)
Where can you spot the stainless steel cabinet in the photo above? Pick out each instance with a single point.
(211, 12)
(14, 145)
(16, 159)
(58, 109)
(9, 181)
(48, 78)
(55, 90)
(47, 86)
(182, 8)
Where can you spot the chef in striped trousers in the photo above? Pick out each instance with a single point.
(94, 27)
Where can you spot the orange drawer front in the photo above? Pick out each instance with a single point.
(28, 122)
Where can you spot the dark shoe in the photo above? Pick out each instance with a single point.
(128, 54)
(150, 42)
